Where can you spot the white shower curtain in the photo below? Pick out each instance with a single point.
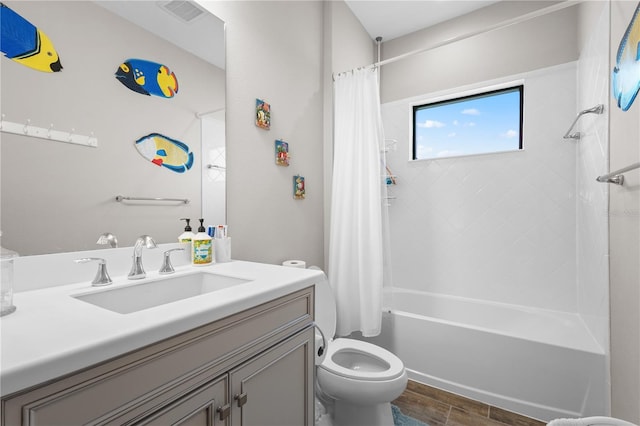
(356, 246)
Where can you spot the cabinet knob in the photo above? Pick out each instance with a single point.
(241, 398)
(224, 411)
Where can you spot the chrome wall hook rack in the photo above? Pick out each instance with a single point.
(598, 109)
(27, 129)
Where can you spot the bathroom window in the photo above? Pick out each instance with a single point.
(482, 123)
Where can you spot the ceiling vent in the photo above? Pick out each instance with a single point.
(186, 11)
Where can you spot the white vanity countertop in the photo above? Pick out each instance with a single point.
(52, 334)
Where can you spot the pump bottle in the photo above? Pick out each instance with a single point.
(187, 235)
(202, 247)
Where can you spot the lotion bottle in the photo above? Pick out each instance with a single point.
(187, 235)
(201, 247)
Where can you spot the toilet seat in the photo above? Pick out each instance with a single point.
(389, 366)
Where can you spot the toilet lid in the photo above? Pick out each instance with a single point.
(325, 308)
(366, 350)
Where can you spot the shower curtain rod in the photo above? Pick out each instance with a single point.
(535, 14)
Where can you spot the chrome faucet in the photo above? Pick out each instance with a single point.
(137, 271)
(102, 277)
(108, 238)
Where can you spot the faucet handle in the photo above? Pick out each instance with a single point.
(167, 267)
(102, 277)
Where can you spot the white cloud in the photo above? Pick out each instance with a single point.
(428, 124)
(471, 111)
(452, 135)
(456, 122)
(510, 133)
(469, 124)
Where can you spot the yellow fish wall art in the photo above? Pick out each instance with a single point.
(166, 152)
(25, 44)
(626, 73)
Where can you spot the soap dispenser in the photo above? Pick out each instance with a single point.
(201, 247)
(187, 235)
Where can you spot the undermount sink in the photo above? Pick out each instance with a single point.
(137, 297)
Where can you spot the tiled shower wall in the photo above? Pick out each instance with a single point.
(592, 160)
(497, 227)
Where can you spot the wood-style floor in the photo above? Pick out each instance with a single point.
(439, 408)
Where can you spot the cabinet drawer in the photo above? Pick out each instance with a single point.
(129, 384)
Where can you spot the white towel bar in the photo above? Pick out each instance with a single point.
(617, 177)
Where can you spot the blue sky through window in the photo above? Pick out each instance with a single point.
(478, 124)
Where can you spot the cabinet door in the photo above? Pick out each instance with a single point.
(276, 387)
(205, 406)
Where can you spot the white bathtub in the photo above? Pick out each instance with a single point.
(540, 363)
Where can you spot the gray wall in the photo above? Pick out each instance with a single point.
(60, 197)
(624, 242)
(537, 43)
(274, 52)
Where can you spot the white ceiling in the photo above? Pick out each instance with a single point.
(395, 18)
(203, 37)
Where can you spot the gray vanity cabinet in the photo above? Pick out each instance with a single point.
(254, 368)
(275, 388)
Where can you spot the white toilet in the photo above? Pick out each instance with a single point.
(359, 379)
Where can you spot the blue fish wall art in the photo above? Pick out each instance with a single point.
(148, 78)
(626, 73)
(166, 152)
(25, 44)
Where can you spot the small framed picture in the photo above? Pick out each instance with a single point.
(282, 153)
(263, 114)
(298, 187)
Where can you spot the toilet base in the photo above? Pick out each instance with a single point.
(323, 416)
(349, 414)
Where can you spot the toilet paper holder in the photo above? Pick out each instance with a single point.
(295, 264)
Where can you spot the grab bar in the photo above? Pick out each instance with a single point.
(120, 198)
(598, 109)
(617, 177)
